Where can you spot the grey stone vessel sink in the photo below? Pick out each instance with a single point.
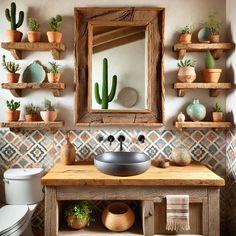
(122, 163)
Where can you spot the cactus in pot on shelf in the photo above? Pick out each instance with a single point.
(186, 73)
(13, 35)
(217, 114)
(54, 36)
(33, 35)
(48, 114)
(11, 67)
(53, 74)
(186, 34)
(211, 74)
(105, 97)
(13, 114)
(31, 113)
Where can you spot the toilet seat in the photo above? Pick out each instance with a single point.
(12, 218)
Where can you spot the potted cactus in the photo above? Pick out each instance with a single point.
(186, 73)
(13, 114)
(48, 114)
(217, 114)
(105, 97)
(186, 34)
(53, 74)
(214, 25)
(54, 36)
(31, 113)
(13, 35)
(33, 35)
(210, 73)
(11, 68)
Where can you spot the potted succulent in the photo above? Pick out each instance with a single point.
(78, 215)
(210, 73)
(186, 73)
(33, 35)
(13, 114)
(214, 25)
(31, 113)
(53, 74)
(186, 34)
(11, 68)
(217, 114)
(13, 35)
(48, 114)
(55, 36)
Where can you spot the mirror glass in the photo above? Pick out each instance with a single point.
(120, 54)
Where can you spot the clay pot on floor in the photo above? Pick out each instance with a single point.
(12, 115)
(185, 38)
(118, 217)
(187, 74)
(48, 116)
(212, 75)
(13, 36)
(54, 37)
(214, 38)
(54, 77)
(217, 116)
(13, 77)
(34, 36)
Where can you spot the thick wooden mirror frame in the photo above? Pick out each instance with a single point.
(154, 20)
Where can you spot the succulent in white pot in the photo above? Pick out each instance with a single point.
(48, 114)
(186, 73)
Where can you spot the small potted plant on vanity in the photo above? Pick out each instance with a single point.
(214, 25)
(78, 215)
(48, 114)
(33, 35)
(13, 114)
(11, 67)
(54, 36)
(53, 74)
(210, 73)
(217, 114)
(186, 73)
(31, 113)
(186, 34)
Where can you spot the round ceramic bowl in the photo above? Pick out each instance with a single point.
(48, 116)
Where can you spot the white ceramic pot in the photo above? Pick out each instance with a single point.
(187, 74)
(48, 116)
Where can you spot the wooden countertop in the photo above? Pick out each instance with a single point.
(87, 174)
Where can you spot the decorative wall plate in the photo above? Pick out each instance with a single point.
(34, 73)
(203, 35)
(128, 97)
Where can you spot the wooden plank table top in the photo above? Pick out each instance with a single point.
(86, 174)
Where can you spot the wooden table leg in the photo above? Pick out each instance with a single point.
(51, 212)
(148, 218)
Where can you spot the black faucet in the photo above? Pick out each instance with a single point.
(121, 139)
(110, 139)
(141, 138)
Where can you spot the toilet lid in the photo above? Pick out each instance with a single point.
(11, 215)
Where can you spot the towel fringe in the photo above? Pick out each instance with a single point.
(172, 225)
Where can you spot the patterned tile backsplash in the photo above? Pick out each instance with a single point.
(41, 148)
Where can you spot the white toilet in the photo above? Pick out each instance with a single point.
(23, 192)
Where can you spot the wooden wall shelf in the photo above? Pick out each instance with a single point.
(203, 124)
(16, 88)
(215, 48)
(17, 48)
(214, 88)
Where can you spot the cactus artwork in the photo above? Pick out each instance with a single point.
(11, 16)
(209, 61)
(105, 97)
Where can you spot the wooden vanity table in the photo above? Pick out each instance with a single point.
(85, 182)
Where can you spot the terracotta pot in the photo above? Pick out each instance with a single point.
(217, 116)
(54, 37)
(185, 38)
(211, 75)
(13, 36)
(13, 77)
(48, 116)
(76, 223)
(67, 153)
(54, 77)
(34, 36)
(118, 217)
(214, 38)
(31, 117)
(186, 74)
(12, 115)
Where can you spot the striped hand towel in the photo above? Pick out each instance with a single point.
(177, 212)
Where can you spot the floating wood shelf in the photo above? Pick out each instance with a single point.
(216, 48)
(14, 126)
(203, 124)
(16, 88)
(17, 48)
(214, 88)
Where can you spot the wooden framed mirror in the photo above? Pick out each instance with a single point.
(127, 43)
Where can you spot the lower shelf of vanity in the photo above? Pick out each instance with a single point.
(203, 124)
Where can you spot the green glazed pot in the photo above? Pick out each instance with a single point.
(196, 111)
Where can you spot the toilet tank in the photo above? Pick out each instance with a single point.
(23, 186)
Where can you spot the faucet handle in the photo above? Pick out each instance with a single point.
(110, 139)
(141, 138)
(121, 138)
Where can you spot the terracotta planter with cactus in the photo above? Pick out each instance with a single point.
(54, 36)
(13, 114)
(48, 114)
(186, 73)
(11, 68)
(31, 113)
(186, 34)
(53, 74)
(33, 35)
(217, 114)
